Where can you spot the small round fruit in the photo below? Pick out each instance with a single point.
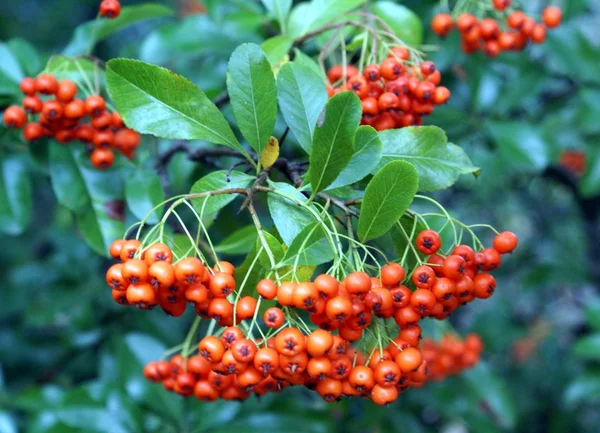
(102, 158)
(505, 242)
(14, 117)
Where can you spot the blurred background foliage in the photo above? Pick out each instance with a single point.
(71, 359)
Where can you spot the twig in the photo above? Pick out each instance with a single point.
(233, 166)
(339, 204)
(284, 136)
(292, 170)
(222, 99)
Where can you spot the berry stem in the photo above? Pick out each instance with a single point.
(410, 242)
(203, 227)
(444, 211)
(188, 339)
(241, 288)
(93, 36)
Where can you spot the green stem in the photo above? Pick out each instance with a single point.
(93, 35)
(188, 339)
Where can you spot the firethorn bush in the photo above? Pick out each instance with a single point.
(484, 31)
(321, 215)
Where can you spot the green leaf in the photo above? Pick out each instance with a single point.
(277, 48)
(154, 100)
(492, 390)
(333, 140)
(15, 195)
(238, 242)
(215, 181)
(253, 94)
(311, 246)
(367, 153)
(405, 24)
(289, 217)
(90, 418)
(27, 55)
(302, 96)
(102, 29)
(67, 179)
(252, 271)
(80, 71)
(590, 182)
(388, 195)
(275, 247)
(520, 144)
(583, 390)
(570, 52)
(279, 422)
(7, 423)
(97, 191)
(143, 192)
(588, 347)
(144, 348)
(10, 66)
(592, 313)
(135, 351)
(40, 154)
(438, 162)
(309, 16)
(10, 71)
(304, 60)
(279, 10)
(171, 42)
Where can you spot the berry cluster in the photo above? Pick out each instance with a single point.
(451, 355)
(351, 354)
(459, 278)
(395, 93)
(147, 278)
(493, 36)
(63, 118)
(233, 367)
(110, 8)
(574, 161)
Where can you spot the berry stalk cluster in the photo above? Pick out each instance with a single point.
(367, 337)
(395, 93)
(492, 36)
(64, 117)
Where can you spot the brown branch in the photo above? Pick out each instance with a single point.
(222, 99)
(299, 41)
(339, 204)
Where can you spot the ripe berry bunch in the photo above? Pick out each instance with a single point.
(64, 117)
(395, 93)
(355, 350)
(451, 355)
(233, 367)
(493, 36)
(110, 8)
(574, 161)
(458, 278)
(147, 277)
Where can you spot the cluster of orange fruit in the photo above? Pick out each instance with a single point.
(236, 364)
(63, 118)
(395, 93)
(147, 278)
(451, 355)
(493, 36)
(233, 367)
(574, 161)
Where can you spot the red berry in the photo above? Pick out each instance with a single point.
(110, 8)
